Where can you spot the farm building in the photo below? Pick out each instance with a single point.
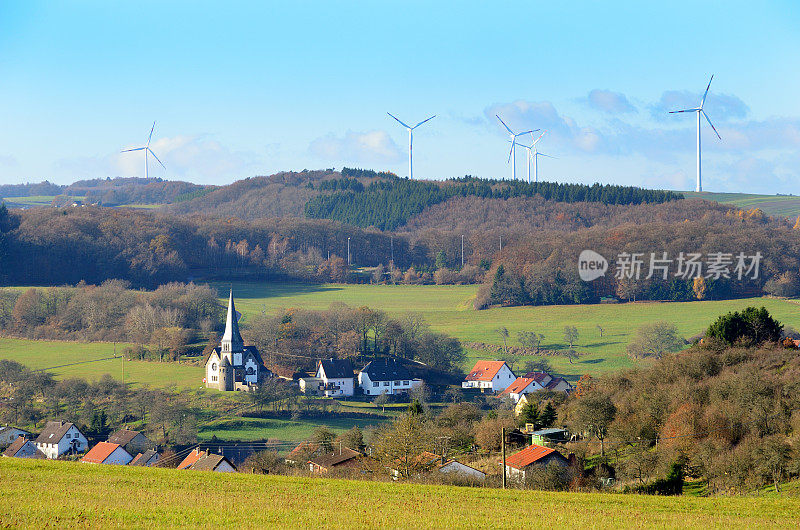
(550, 383)
(59, 438)
(492, 376)
(107, 453)
(461, 470)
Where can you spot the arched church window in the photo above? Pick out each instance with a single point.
(213, 367)
(250, 370)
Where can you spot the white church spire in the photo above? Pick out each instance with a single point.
(232, 339)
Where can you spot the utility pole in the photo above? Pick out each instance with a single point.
(501, 244)
(503, 445)
(391, 242)
(462, 251)
(348, 251)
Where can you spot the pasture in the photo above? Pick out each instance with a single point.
(32, 494)
(774, 205)
(92, 360)
(447, 308)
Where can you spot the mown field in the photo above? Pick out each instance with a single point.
(33, 494)
(775, 205)
(92, 360)
(448, 309)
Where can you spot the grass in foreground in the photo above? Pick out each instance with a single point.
(33, 494)
(447, 309)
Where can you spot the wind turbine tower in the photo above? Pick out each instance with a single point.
(534, 154)
(146, 150)
(513, 153)
(410, 141)
(699, 110)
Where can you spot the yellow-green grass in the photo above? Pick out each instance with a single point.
(76, 359)
(448, 310)
(249, 429)
(70, 494)
(776, 205)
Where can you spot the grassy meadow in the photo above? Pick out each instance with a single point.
(448, 309)
(92, 360)
(775, 205)
(32, 494)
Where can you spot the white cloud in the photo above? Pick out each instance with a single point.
(370, 146)
(609, 102)
(719, 107)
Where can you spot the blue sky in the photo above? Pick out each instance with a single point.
(251, 88)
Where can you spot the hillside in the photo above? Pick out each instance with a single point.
(32, 495)
(776, 205)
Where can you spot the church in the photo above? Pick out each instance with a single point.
(232, 365)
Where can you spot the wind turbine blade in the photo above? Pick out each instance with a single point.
(510, 152)
(134, 149)
(154, 156)
(684, 110)
(712, 125)
(504, 125)
(526, 132)
(548, 156)
(539, 138)
(398, 121)
(706, 93)
(151, 134)
(423, 121)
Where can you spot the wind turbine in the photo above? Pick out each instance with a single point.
(410, 140)
(699, 110)
(534, 154)
(146, 150)
(513, 152)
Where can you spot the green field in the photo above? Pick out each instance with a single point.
(448, 309)
(34, 494)
(31, 200)
(775, 205)
(77, 359)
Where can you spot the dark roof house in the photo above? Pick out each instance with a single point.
(386, 370)
(326, 462)
(23, 448)
(132, 441)
(335, 369)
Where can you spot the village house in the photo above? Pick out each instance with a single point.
(492, 376)
(134, 442)
(147, 459)
(232, 365)
(333, 378)
(343, 458)
(535, 382)
(303, 452)
(461, 470)
(521, 465)
(9, 434)
(107, 453)
(386, 376)
(199, 460)
(59, 438)
(23, 448)
(427, 462)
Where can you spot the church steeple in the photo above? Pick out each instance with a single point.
(232, 339)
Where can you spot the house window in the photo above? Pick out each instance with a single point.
(68, 436)
(375, 385)
(386, 383)
(397, 383)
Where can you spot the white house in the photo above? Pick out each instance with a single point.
(59, 438)
(549, 382)
(494, 376)
(23, 448)
(107, 453)
(520, 387)
(335, 377)
(386, 376)
(146, 459)
(9, 434)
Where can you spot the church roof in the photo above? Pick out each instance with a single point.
(232, 334)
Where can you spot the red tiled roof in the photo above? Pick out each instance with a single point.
(191, 458)
(99, 453)
(528, 456)
(485, 370)
(520, 384)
